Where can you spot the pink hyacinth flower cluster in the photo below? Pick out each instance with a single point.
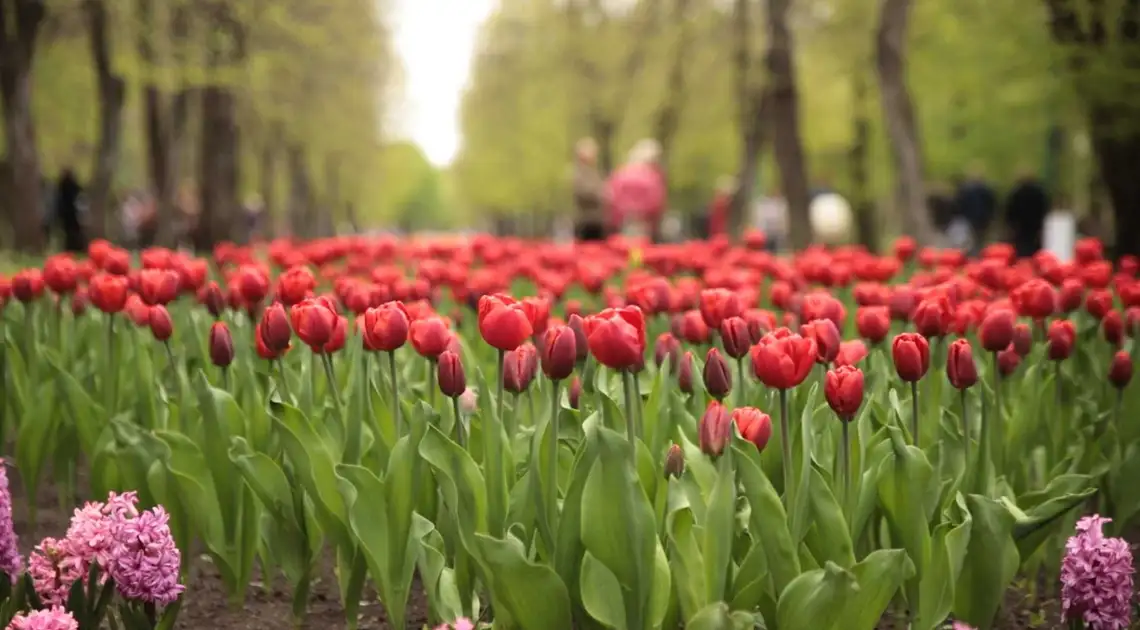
(54, 567)
(92, 530)
(961, 625)
(463, 623)
(10, 560)
(1096, 578)
(145, 561)
(54, 618)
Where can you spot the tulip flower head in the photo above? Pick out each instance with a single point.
(503, 322)
(221, 345)
(1062, 336)
(715, 429)
(996, 330)
(452, 380)
(960, 366)
(1120, 370)
(843, 388)
(386, 327)
(735, 336)
(559, 352)
(616, 337)
(430, 336)
(911, 355)
(717, 375)
(753, 425)
(783, 360)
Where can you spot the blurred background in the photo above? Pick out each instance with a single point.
(190, 122)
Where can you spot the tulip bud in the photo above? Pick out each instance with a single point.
(714, 429)
(685, 373)
(559, 353)
(1022, 339)
(911, 355)
(160, 324)
(735, 336)
(212, 298)
(575, 393)
(1062, 336)
(1120, 372)
(1008, 360)
(581, 349)
(718, 377)
(674, 462)
(667, 347)
(753, 425)
(452, 381)
(843, 389)
(1113, 328)
(274, 328)
(79, 302)
(519, 368)
(960, 366)
(221, 345)
(996, 331)
(826, 337)
(873, 323)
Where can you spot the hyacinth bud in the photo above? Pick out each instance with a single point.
(685, 373)
(575, 393)
(221, 345)
(718, 377)
(452, 380)
(674, 462)
(160, 324)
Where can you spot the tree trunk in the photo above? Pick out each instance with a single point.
(866, 221)
(751, 147)
(898, 113)
(268, 177)
(752, 108)
(18, 30)
(785, 118)
(300, 194)
(669, 113)
(112, 93)
(219, 160)
(1117, 155)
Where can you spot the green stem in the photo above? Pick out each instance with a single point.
(396, 415)
(432, 389)
(640, 426)
(460, 434)
(112, 394)
(552, 462)
(352, 445)
(846, 466)
(225, 379)
(966, 428)
(999, 457)
(914, 412)
(630, 422)
(786, 447)
(741, 397)
(283, 383)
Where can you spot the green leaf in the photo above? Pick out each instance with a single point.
(947, 552)
(686, 562)
(532, 595)
(1046, 508)
(459, 477)
(719, 528)
(991, 563)
(601, 593)
(880, 575)
(829, 538)
(315, 468)
(715, 616)
(906, 484)
(816, 599)
(768, 523)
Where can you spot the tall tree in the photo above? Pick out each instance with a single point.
(112, 93)
(785, 106)
(20, 23)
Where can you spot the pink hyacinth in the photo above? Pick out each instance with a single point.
(1096, 578)
(145, 561)
(463, 623)
(54, 618)
(54, 567)
(91, 534)
(961, 625)
(10, 560)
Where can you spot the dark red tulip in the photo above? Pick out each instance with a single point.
(1120, 372)
(574, 395)
(503, 322)
(843, 388)
(960, 366)
(1008, 361)
(577, 324)
(996, 330)
(273, 328)
(667, 348)
(28, 285)
(452, 380)
(873, 323)
(1113, 327)
(685, 373)
(674, 462)
(264, 350)
(211, 296)
(717, 304)
(715, 429)
(753, 425)
(616, 337)
(161, 325)
(108, 292)
(79, 301)
(783, 361)
(735, 336)
(430, 336)
(717, 375)
(760, 323)
(221, 345)
(1098, 302)
(559, 352)
(252, 284)
(826, 337)
(519, 368)
(1062, 336)
(386, 327)
(911, 355)
(315, 321)
(1022, 339)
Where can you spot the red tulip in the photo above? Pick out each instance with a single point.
(1113, 327)
(616, 337)
(1062, 336)
(693, 328)
(932, 316)
(960, 365)
(575, 322)
(1098, 302)
(158, 286)
(211, 296)
(295, 285)
(826, 337)
(1120, 372)
(667, 348)
(574, 395)
(137, 311)
(27, 285)
(252, 284)
(783, 361)
(911, 354)
(674, 462)
(843, 388)
(503, 322)
(160, 324)
(452, 380)
(559, 352)
(430, 336)
(685, 373)
(996, 331)
(519, 368)
(717, 304)
(273, 330)
(61, 273)
(108, 292)
(221, 345)
(715, 429)
(718, 377)
(1036, 298)
(735, 336)
(873, 323)
(1008, 361)
(851, 353)
(264, 350)
(1022, 339)
(314, 321)
(386, 327)
(753, 425)
(760, 323)
(79, 301)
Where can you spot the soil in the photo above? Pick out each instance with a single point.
(268, 605)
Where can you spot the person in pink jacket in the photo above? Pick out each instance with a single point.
(636, 193)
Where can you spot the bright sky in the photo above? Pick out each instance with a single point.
(436, 41)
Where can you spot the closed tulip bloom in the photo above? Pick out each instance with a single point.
(339, 336)
(519, 368)
(28, 285)
(158, 286)
(718, 378)
(996, 330)
(826, 337)
(61, 273)
(221, 345)
(685, 373)
(911, 355)
(753, 425)
(718, 304)
(693, 328)
(211, 296)
(274, 329)
(1022, 339)
(873, 323)
(783, 362)
(674, 462)
(960, 366)
(843, 388)
(108, 292)
(1008, 360)
(667, 348)
(252, 284)
(715, 429)
(559, 352)
(1036, 298)
(430, 336)
(616, 337)
(452, 381)
(577, 324)
(1098, 302)
(137, 311)
(79, 301)
(503, 322)
(295, 285)
(932, 316)
(1120, 371)
(264, 350)
(1132, 321)
(1062, 336)
(1113, 327)
(851, 353)
(314, 321)
(574, 395)
(735, 336)
(386, 327)
(161, 325)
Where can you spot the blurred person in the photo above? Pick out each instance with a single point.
(1025, 211)
(589, 193)
(940, 206)
(976, 204)
(830, 217)
(721, 206)
(635, 193)
(137, 210)
(68, 196)
(770, 216)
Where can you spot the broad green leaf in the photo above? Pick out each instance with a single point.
(828, 537)
(719, 526)
(991, 563)
(816, 599)
(601, 593)
(880, 575)
(316, 470)
(768, 524)
(532, 595)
